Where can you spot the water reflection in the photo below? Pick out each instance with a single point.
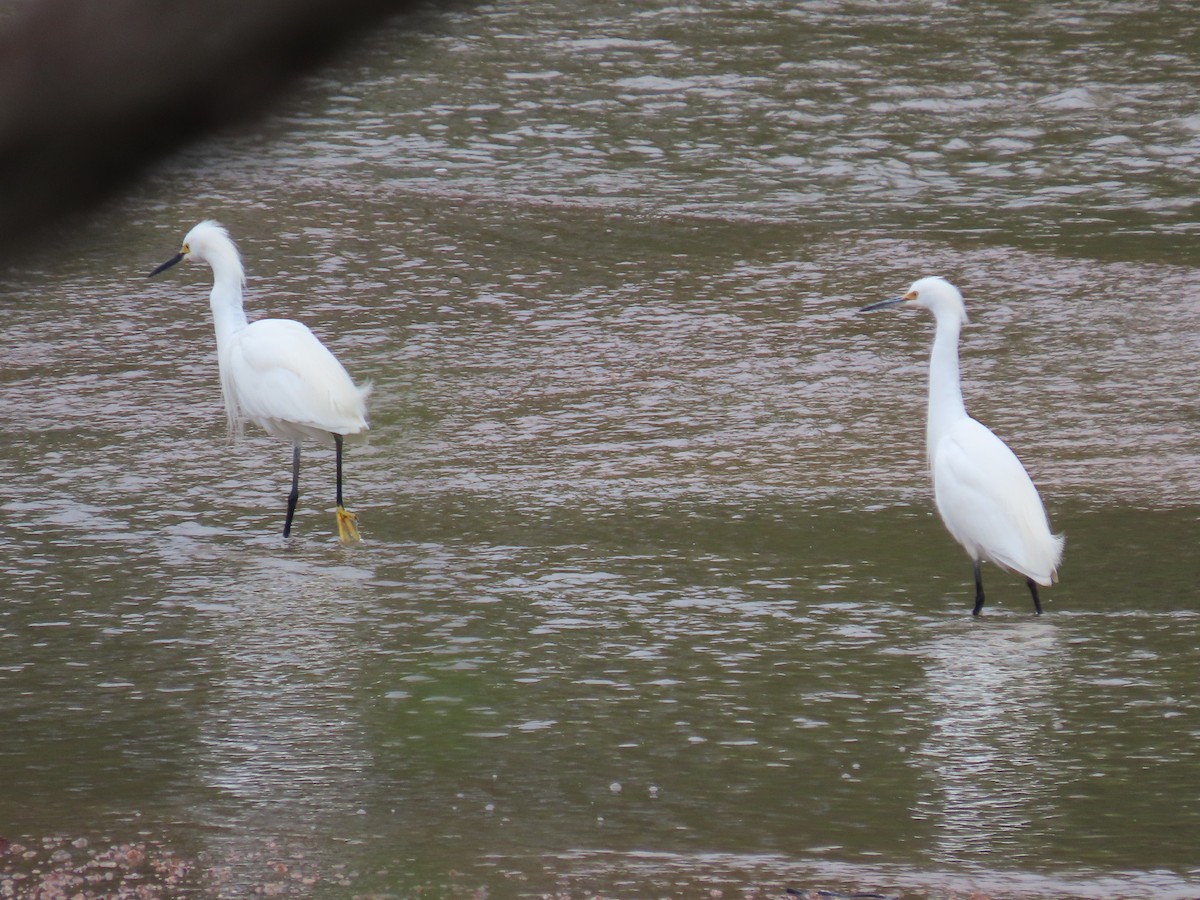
(992, 689)
(281, 641)
(280, 741)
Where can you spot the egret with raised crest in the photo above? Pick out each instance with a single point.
(275, 372)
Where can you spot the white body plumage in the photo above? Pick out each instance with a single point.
(274, 372)
(989, 504)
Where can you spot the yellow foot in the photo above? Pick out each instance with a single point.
(347, 525)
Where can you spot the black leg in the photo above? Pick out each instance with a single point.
(978, 590)
(337, 442)
(295, 494)
(347, 529)
(1037, 604)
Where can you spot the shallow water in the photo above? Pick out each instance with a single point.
(652, 599)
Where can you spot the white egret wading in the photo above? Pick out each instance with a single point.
(982, 491)
(275, 372)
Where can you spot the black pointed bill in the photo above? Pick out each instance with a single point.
(883, 304)
(178, 257)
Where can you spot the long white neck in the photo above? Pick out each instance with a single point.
(945, 391)
(226, 298)
(228, 319)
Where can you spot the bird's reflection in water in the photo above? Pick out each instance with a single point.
(990, 703)
(283, 749)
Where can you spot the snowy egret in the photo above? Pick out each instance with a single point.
(982, 491)
(275, 372)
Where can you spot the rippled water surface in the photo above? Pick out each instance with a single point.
(652, 600)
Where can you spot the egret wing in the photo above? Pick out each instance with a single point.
(990, 505)
(286, 380)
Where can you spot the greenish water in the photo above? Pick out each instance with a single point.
(652, 600)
